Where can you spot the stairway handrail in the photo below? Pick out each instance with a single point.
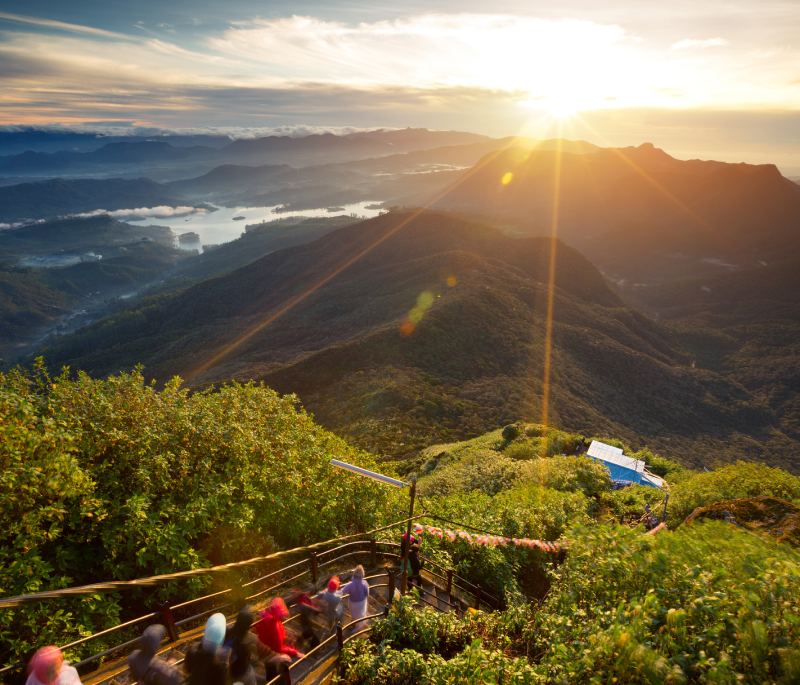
(114, 585)
(458, 583)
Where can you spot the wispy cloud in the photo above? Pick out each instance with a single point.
(698, 44)
(61, 26)
(271, 72)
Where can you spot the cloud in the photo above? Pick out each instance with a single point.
(159, 212)
(61, 26)
(698, 44)
(415, 69)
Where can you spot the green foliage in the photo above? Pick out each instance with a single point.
(570, 474)
(526, 510)
(484, 470)
(742, 479)
(114, 478)
(629, 503)
(424, 646)
(524, 450)
(511, 432)
(707, 603)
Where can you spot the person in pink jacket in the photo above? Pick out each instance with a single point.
(47, 667)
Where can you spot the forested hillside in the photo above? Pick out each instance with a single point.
(437, 332)
(114, 479)
(704, 601)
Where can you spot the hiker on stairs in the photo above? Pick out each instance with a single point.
(47, 667)
(414, 562)
(207, 663)
(242, 646)
(146, 667)
(271, 631)
(331, 601)
(358, 591)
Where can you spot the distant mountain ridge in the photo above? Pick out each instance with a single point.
(56, 197)
(437, 332)
(637, 212)
(315, 148)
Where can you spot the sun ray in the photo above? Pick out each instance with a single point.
(290, 304)
(652, 182)
(551, 285)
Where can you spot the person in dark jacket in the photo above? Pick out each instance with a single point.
(145, 666)
(308, 610)
(242, 646)
(414, 562)
(331, 602)
(207, 663)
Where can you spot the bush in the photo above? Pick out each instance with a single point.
(115, 479)
(524, 450)
(510, 432)
(484, 470)
(569, 474)
(742, 479)
(706, 603)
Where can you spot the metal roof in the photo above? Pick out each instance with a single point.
(614, 455)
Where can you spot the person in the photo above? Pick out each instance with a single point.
(47, 667)
(414, 565)
(206, 663)
(270, 629)
(331, 600)
(145, 666)
(358, 591)
(650, 519)
(242, 645)
(307, 609)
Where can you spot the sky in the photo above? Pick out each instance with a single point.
(716, 78)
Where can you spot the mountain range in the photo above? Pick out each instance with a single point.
(437, 332)
(641, 215)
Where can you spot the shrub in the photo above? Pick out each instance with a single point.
(510, 432)
(115, 479)
(570, 474)
(523, 450)
(484, 470)
(742, 479)
(706, 603)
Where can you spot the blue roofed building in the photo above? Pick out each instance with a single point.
(624, 470)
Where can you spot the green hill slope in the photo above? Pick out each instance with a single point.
(437, 334)
(113, 479)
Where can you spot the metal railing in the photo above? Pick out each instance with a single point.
(311, 565)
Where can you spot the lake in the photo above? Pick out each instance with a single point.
(219, 226)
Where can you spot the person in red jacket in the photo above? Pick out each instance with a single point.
(270, 629)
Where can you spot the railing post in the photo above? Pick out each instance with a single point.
(373, 552)
(478, 597)
(314, 568)
(286, 675)
(168, 620)
(339, 646)
(391, 588)
(450, 583)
